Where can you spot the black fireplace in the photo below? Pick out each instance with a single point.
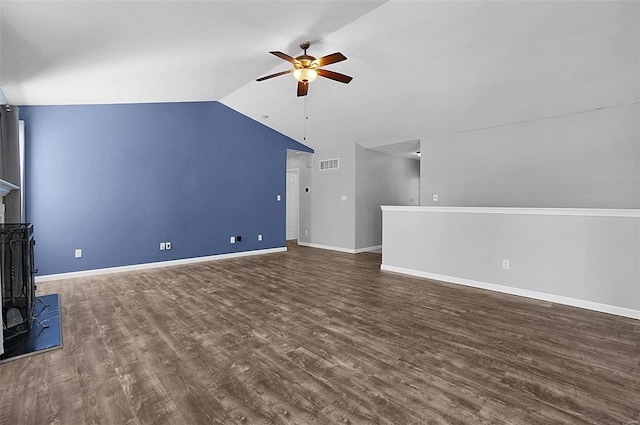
(17, 275)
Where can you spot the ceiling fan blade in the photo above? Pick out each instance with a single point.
(285, 57)
(289, 71)
(334, 76)
(303, 88)
(329, 59)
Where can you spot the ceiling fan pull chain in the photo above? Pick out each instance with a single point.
(306, 117)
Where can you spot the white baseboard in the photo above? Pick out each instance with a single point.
(369, 249)
(574, 302)
(330, 248)
(134, 267)
(340, 249)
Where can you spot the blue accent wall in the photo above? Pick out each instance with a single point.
(116, 180)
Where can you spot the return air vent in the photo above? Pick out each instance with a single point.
(329, 164)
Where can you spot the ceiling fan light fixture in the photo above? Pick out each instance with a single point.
(305, 75)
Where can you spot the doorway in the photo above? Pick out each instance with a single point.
(293, 176)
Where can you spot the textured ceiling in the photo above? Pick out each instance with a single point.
(420, 67)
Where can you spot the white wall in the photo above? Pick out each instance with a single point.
(381, 179)
(584, 160)
(368, 179)
(3, 100)
(586, 258)
(332, 221)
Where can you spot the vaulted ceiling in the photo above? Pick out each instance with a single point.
(420, 68)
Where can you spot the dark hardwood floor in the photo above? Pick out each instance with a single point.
(319, 337)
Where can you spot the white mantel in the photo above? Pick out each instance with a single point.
(6, 187)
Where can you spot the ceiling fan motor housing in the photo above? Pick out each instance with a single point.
(306, 61)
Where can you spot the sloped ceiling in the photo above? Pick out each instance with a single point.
(420, 67)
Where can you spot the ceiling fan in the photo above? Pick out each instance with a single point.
(306, 68)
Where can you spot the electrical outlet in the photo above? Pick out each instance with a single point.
(162, 246)
(167, 245)
(232, 239)
(78, 253)
(505, 264)
(278, 198)
(260, 237)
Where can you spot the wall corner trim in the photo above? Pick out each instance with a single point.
(574, 302)
(145, 266)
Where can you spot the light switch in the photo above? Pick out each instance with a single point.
(344, 197)
(78, 253)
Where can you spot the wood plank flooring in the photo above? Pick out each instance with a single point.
(310, 336)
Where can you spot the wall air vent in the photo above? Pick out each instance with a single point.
(329, 164)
